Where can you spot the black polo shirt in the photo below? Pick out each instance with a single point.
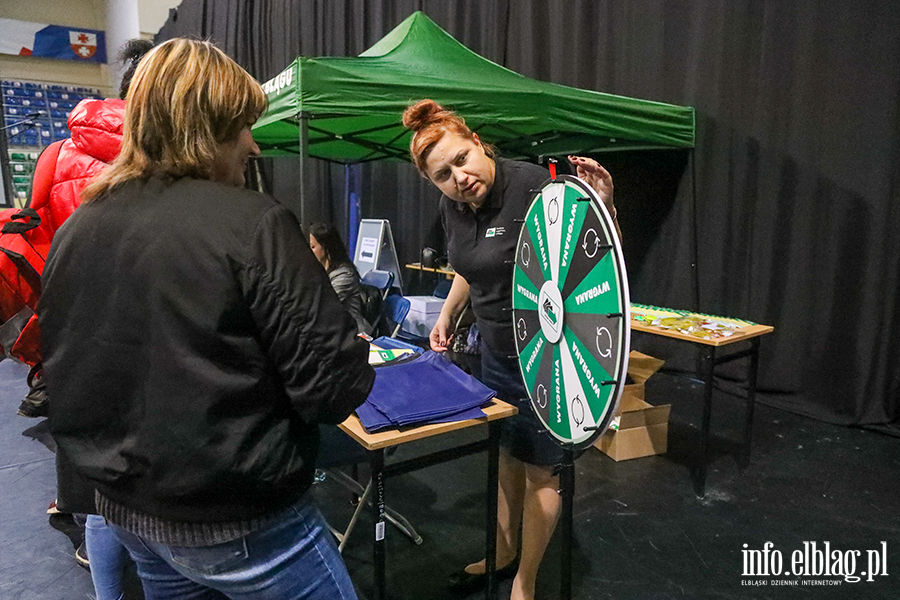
(482, 247)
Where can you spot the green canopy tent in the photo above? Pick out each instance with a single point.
(348, 110)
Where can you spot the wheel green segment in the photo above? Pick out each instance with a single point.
(571, 311)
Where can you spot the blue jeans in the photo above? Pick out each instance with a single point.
(107, 556)
(293, 557)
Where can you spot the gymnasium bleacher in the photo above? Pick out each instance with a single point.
(35, 115)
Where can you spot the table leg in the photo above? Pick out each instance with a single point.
(708, 366)
(376, 460)
(492, 493)
(751, 399)
(567, 490)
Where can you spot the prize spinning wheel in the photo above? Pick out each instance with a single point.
(571, 311)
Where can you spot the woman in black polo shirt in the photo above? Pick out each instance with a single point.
(482, 197)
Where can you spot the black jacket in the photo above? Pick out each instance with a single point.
(191, 343)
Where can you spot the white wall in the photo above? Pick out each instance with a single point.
(153, 15)
(91, 14)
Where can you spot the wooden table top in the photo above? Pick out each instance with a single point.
(498, 409)
(741, 334)
(448, 271)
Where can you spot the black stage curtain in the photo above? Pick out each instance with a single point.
(795, 170)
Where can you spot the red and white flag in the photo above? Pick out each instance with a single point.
(84, 44)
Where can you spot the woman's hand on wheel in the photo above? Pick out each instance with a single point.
(597, 177)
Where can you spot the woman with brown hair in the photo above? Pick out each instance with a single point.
(193, 344)
(483, 192)
(328, 247)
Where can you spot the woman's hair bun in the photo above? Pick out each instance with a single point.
(423, 113)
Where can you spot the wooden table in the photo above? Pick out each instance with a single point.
(447, 271)
(375, 445)
(751, 333)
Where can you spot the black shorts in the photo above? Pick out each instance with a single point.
(523, 436)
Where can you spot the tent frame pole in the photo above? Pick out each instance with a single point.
(695, 235)
(304, 171)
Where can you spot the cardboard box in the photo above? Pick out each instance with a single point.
(643, 429)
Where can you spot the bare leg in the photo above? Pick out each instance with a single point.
(541, 512)
(510, 497)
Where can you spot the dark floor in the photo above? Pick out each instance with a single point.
(640, 531)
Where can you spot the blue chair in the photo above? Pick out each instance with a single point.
(371, 304)
(442, 289)
(395, 309)
(383, 280)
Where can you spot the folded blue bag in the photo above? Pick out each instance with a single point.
(371, 418)
(374, 420)
(426, 389)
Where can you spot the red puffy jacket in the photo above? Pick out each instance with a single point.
(62, 172)
(96, 127)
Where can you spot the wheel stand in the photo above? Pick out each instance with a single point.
(567, 492)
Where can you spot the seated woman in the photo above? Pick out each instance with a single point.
(328, 247)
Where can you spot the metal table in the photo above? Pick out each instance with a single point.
(710, 359)
(376, 444)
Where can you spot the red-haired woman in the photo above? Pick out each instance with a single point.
(480, 192)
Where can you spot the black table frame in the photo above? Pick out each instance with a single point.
(381, 471)
(708, 363)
